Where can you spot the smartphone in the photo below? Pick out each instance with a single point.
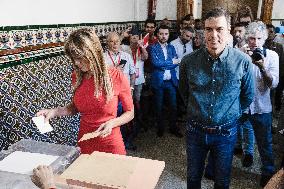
(122, 62)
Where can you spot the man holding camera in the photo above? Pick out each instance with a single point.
(266, 74)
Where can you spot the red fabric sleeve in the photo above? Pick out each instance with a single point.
(125, 93)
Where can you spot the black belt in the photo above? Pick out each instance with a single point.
(217, 129)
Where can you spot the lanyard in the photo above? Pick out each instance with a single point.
(118, 61)
(135, 55)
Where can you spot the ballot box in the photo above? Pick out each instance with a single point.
(17, 162)
(111, 171)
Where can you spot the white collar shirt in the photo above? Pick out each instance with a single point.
(113, 61)
(262, 102)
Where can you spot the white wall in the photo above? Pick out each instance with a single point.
(197, 8)
(42, 12)
(277, 12)
(142, 10)
(166, 9)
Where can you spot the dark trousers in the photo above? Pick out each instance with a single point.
(159, 93)
(278, 94)
(221, 148)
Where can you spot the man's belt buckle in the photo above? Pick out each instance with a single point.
(212, 130)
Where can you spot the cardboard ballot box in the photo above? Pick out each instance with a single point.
(110, 171)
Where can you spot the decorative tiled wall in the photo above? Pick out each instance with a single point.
(27, 88)
(21, 36)
(24, 43)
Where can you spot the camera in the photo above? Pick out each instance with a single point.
(257, 54)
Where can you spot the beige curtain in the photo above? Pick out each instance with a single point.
(266, 11)
(184, 7)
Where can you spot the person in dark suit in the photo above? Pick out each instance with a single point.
(164, 79)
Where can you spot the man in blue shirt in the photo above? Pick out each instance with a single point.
(164, 79)
(217, 86)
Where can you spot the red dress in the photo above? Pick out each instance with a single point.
(95, 111)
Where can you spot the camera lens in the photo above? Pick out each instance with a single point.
(257, 54)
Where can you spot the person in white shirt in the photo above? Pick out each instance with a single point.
(139, 53)
(183, 44)
(115, 57)
(266, 75)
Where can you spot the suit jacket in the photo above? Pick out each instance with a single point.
(161, 64)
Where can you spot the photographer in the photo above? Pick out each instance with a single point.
(266, 75)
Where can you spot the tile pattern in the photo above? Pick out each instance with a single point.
(27, 88)
(12, 37)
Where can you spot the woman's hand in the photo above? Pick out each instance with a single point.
(88, 136)
(47, 113)
(105, 129)
(43, 177)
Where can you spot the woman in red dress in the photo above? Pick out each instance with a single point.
(97, 90)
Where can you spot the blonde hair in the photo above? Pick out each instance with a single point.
(84, 43)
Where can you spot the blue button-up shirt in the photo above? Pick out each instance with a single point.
(216, 91)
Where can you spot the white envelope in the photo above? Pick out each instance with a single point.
(41, 125)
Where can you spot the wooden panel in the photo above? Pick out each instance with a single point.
(184, 7)
(266, 11)
(231, 5)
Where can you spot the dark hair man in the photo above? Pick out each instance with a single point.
(150, 27)
(164, 79)
(216, 84)
(183, 44)
(239, 35)
(198, 24)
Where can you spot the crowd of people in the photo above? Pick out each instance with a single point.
(221, 77)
